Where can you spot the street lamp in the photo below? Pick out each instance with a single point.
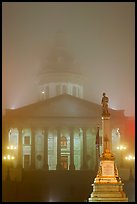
(131, 159)
(121, 148)
(9, 158)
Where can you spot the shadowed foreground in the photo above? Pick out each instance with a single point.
(49, 186)
(55, 186)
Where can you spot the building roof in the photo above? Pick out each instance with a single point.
(63, 105)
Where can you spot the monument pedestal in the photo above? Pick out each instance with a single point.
(108, 192)
(107, 186)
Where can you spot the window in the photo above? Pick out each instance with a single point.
(13, 137)
(26, 140)
(63, 142)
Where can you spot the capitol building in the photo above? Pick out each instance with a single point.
(59, 131)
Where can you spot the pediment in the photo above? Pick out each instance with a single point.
(60, 106)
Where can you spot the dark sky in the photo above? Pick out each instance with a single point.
(100, 36)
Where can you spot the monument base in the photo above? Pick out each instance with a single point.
(107, 186)
(108, 193)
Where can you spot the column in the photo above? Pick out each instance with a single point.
(106, 134)
(84, 166)
(5, 137)
(71, 166)
(45, 166)
(58, 167)
(32, 148)
(20, 148)
(97, 149)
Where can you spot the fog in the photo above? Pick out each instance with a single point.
(100, 37)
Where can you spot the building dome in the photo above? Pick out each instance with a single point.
(60, 73)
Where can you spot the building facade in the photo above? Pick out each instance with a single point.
(59, 131)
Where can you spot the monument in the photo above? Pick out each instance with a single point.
(107, 186)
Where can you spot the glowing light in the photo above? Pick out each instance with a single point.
(118, 130)
(13, 107)
(8, 157)
(42, 92)
(130, 157)
(121, 147)
(12, 147)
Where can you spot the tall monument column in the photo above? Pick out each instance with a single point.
(97, 149)
(107, 186)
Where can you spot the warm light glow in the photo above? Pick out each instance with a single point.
(43, 92)
(8, 157)
(12, 147)
(121, 147)
(130, 157)
(12, 108)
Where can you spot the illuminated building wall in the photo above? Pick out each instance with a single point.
(59, 131)
(40, 147)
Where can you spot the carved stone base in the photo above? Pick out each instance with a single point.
(108, 193)
(107, 186)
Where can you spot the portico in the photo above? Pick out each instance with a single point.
(58, 133)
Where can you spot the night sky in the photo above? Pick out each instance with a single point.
(100, 37)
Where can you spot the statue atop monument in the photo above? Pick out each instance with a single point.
(104, 103)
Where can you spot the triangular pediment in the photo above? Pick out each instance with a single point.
(60, 106)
